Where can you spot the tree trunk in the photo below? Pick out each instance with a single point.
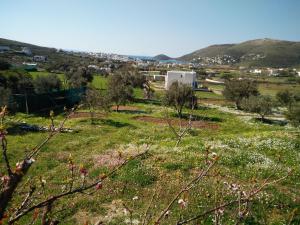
(9, 188)
(26, 103)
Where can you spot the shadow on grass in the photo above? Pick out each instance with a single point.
(148, 101)
(14, 129)
(131, 111)
(199, 118)
(116, 124)
(271, 121)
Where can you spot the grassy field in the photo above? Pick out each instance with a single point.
(99, 82)
(249, 152)
(270, 87)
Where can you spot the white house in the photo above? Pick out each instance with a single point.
(40, 58)
(256, 71)
(183, 77)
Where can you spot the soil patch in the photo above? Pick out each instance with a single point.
(109, 159)
(85, 115)
(125, 108)
(176, 122)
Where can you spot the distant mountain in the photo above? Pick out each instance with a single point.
(162, 57)
(260, 52)
(36, 50)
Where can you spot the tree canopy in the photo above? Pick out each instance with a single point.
(180, 95)
(235, 90)
(120, 89)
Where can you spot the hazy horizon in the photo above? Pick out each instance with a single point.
(147, 28)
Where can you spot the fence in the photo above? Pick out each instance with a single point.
(42, 102)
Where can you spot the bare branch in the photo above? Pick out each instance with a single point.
(4, 152)
(242, 200)
(80, 189)
(190, 185)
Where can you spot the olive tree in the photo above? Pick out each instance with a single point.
(261, 104)
(79, 77)
(46, 84)
(286, 98)
(236, 90)
(180, 95)
(95, 99)
(119, 89)
(293, 115)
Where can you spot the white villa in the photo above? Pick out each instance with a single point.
(184, 77)
(256, 71)
(40, 58)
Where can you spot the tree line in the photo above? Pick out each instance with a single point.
(246, 96)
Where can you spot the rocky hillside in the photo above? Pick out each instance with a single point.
(260, 52)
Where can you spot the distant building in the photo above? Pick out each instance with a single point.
(183, 77)
(95, 67)
(39, 58)
(272, 72)
(256, 71)
(26, 51)
(4, 48)
(30, 66)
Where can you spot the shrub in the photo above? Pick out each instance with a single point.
(262, 105)
(235, 90)
(293, 115)
(285, 98)
(180, 95)
(46, 84)
(79, 77)
(120, 90)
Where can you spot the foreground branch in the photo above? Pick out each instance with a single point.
(189, 186)
(14, 178)
(229, 203)
(80, 189)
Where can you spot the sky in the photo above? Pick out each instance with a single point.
(147, 27)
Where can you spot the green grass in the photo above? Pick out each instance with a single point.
(248, 150)
(99, 82)
(273, 89)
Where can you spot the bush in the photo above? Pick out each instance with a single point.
(79, 77)
(17, 81)
(4, 96)
(4, 65)
(293, 115)
(180, 95)
(120, 90)
(285, 98)
(46, 84)
(236, 90)
(262, 105)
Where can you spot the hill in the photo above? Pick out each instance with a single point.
(57, 60)
(162, 57)
(260, 52)
(36, 50)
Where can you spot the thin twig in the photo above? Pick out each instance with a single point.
(185, 189)
(74, 191)
(242, 200)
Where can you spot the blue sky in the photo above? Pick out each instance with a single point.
(147, 27)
